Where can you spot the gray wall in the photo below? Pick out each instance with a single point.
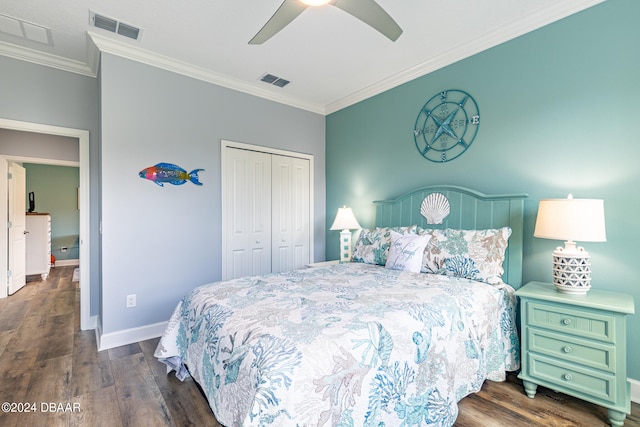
(43, 95)
(31, 144)
(160, 242)
(156, 242)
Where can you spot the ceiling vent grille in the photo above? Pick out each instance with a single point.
(114, 26)
(128, 31)
(25, 30)
(274, 80)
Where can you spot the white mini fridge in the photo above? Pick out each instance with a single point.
(38, 243)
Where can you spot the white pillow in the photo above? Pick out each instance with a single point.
(406, 251)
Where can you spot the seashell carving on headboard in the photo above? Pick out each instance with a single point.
(435, 208)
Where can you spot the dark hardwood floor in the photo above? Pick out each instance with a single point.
(51, 368)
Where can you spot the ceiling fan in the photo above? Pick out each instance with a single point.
(368, 11)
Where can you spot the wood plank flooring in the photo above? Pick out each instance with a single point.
(47, 362)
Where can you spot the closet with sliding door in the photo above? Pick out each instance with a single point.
(266, 210)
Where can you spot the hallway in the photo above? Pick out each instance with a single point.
(51, 368)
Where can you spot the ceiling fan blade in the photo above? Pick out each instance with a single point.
(287, 12)
(370, 12)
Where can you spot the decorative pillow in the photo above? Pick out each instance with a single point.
(406, 251)
(372, 246)
(472, 254)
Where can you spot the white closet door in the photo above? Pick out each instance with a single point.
(246, 214)
(290, 213)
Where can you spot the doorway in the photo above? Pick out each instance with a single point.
(86, 320)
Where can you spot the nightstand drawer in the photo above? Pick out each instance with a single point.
(573, 349)
(588, 324)
(576, 344)
(584, 383)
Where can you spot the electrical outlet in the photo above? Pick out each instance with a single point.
(63, 249)
(131, 300)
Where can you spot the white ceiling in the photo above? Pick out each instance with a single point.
(332, 59)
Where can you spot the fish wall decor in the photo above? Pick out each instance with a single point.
(169, 173)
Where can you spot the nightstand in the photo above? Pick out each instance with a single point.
(323, 263)
(577, 345)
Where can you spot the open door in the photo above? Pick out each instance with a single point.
(17, 227)
(86, 320)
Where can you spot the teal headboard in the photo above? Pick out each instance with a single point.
(470, 210)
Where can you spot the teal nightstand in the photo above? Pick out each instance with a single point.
(576, 344)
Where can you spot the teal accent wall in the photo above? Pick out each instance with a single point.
(56, 192)
(559, 111)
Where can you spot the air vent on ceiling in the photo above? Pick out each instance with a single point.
(274, 80)
(114, 26)
(25, 30)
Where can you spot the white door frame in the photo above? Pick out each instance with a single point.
(241, 145)
(86, 321)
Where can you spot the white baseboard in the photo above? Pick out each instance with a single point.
(93, 323)
(635, 391)
(66, 262)
(128, 336)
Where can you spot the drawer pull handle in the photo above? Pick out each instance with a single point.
(567, 377)
(567, 349)
(566, 321)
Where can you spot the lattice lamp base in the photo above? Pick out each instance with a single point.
(345, 246)
(571, 270)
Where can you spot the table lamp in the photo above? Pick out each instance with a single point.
(345, 221)
(571, 220)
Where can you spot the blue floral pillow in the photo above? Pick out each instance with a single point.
(471, 254)
(406, 251)
(372, 246)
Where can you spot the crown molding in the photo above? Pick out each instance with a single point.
(488, 40)
(113, 47)
(97, 43)
(93, 56)
(41, 58)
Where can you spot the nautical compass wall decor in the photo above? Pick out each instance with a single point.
(446, 125)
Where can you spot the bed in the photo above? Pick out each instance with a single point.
(421, 318)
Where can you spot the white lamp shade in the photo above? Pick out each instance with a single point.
(345, 220)
(571, 219)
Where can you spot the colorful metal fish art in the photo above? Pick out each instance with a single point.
(170, 173)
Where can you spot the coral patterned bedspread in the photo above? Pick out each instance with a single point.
(346, 345)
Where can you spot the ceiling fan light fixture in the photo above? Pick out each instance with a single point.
(315, 2)
(368, 11)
